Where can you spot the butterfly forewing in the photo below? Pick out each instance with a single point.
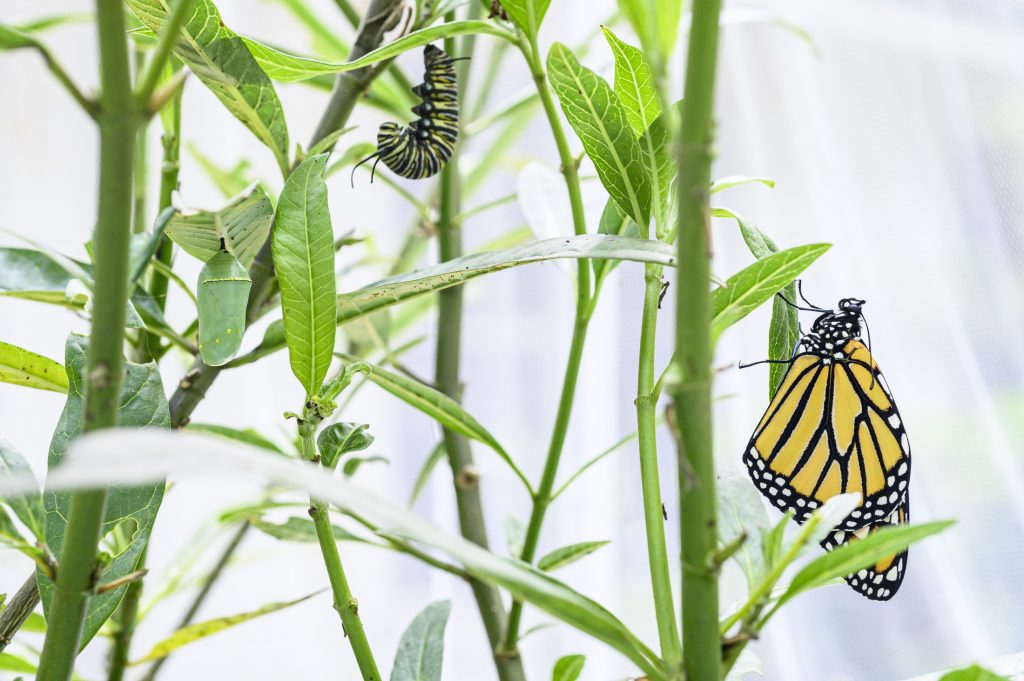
(832, 428)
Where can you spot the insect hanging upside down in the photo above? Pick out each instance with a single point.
(833, 428)
(420, 149)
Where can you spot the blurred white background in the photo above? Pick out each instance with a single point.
(899, 139)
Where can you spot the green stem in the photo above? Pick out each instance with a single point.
(699, 533)
(125, 620)
(344, 602)
(150, 76)
(466, 481)
(542, 498)
(119, 119)
(654, 520)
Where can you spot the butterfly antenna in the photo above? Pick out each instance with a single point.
(352, 181)
(800, 292)
(741, 365)
(798, 307)
(373, 170)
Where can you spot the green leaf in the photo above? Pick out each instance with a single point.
(739, 180)
(754, 285)
(404, 287)
(435, 456)
(27, 273)
(303, 247)
(22, 367)
(145, 245)
(567, 555)
(600, 122)
(243, 224)
(784, 331)
(339, 439)
(973, 673)
(526, 14)
(200, 630)
(853, 556)
(441, 408)
(12, 39)
(142, 404)
(615, 222)
(354, 463)
(421, 650)
(656, 22)
(286, 67)
(249, 436)
(740, 510)
(634, 84)
(222, 61)
(568, 668)
(230, 181)
(298, 530)
(28, 508)
(325, 145)
(13, 663)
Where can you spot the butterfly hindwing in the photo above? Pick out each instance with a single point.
(880, 581)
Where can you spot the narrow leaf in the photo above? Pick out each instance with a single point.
(303, 247)
(200, 630)
(568, 668)
(853, 556)
(394, 290)
(298, 530)
(285, 67)
(600, 122)
(221, 60)
(249, 436)
(22, 367)
(435, 456)
(567, 555)
(739, 180)
(441, 408)
(746, 290)
(421, 650)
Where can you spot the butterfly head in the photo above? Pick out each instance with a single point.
(853, 305)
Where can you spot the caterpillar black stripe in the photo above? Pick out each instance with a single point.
(420, 149)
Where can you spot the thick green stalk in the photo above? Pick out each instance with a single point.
(464, 474)
(118, 119)
(699, 535)
(654, 520)
(543, 496)
(344, 602)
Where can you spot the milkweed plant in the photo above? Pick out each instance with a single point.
(269, 252)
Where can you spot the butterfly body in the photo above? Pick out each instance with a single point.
(833, 428)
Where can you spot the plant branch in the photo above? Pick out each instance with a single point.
(88, 104)
(544, 494)
(344, 602)
(692, 394)
(465, 476)
(654, 520)
(118, 121)
(18, 610)
(151, 74)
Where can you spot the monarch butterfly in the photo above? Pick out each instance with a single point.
(422, 148)
(223, 294)
(832, 428)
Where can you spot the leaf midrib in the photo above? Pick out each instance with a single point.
(604, 133)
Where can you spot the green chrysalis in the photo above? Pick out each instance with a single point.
(223, 294)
